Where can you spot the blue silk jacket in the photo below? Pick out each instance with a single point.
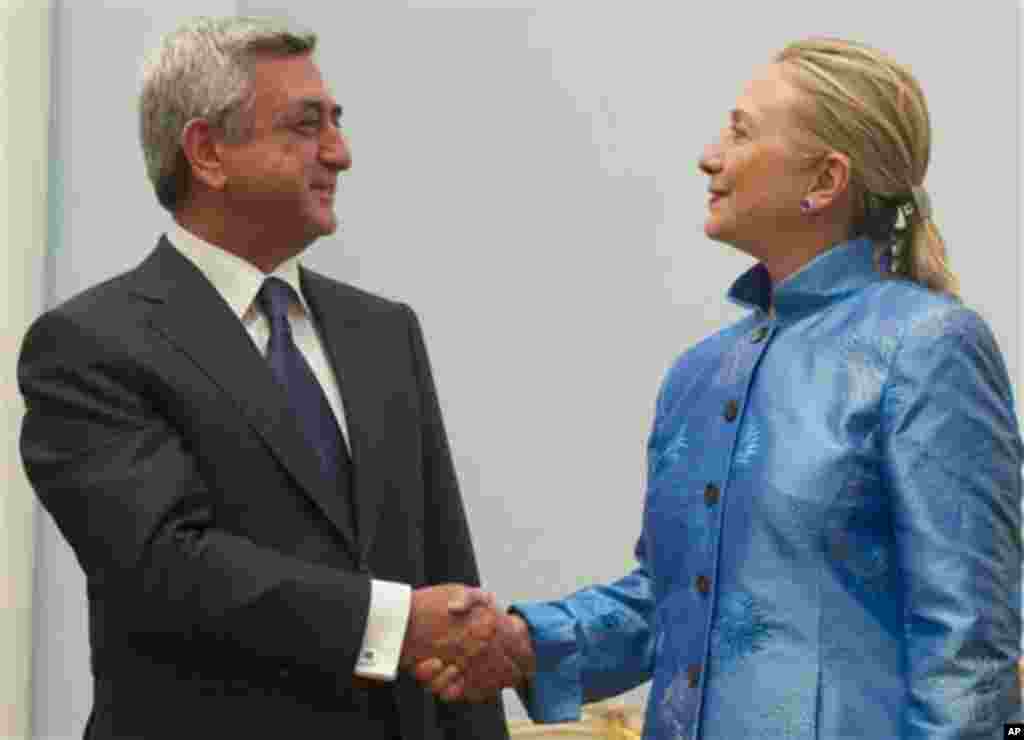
(831, 541)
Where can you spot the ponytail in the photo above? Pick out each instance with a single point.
(913, 248)
(926, 261)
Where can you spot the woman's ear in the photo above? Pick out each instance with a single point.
(832, 181)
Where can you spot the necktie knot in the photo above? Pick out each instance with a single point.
(274, 297)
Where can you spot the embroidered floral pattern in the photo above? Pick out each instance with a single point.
(749, 443)
(741, 629)
(604, 622)
(865, 363)
(671, 454)
(852, 534)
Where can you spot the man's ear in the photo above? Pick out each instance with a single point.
(200, 146)
(832, 180)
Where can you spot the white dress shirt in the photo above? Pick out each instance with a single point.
(238, 282)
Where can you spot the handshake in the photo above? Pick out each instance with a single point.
(460, 645)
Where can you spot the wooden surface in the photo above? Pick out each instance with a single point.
(605, 720)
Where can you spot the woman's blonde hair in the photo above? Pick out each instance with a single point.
(861, 103)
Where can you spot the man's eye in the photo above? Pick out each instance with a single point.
(309, 125)
(738, 133)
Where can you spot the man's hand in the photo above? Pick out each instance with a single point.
(451, 622)
(508, 661)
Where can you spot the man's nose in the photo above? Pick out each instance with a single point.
(334, 149)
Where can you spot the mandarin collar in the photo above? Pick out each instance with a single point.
(833, 275)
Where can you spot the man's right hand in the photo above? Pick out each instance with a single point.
(450, 622)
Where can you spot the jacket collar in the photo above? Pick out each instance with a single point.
(832, 276)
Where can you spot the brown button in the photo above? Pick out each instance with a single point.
(759, 334)
(732, 410)
(711, 494)
(704, 584)
(693, 676)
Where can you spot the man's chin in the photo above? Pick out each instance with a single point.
(325, 226)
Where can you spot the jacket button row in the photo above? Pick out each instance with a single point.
(693, 676)
(732, 410)
(711, 494)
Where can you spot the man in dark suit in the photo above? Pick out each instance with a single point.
(248, 458)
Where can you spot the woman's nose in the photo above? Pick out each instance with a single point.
(710, 161)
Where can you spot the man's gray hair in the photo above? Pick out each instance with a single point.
(203, 70)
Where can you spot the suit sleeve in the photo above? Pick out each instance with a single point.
(953, 463)
(125, 490)
(448, 549)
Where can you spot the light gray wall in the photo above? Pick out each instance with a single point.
(525, 176)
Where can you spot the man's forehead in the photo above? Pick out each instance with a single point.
(289, 79)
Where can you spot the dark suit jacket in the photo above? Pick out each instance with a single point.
(228, 584)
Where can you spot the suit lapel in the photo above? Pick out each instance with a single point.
(349, 334)
(195, 319)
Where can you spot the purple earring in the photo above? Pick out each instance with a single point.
(805, 205)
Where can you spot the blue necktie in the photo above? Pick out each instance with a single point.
(304, 391)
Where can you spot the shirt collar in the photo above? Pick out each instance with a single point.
(832, 275)
(236, 280)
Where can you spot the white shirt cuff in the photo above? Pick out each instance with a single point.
(390, 604)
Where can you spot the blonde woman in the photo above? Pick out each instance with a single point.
(831, 533)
